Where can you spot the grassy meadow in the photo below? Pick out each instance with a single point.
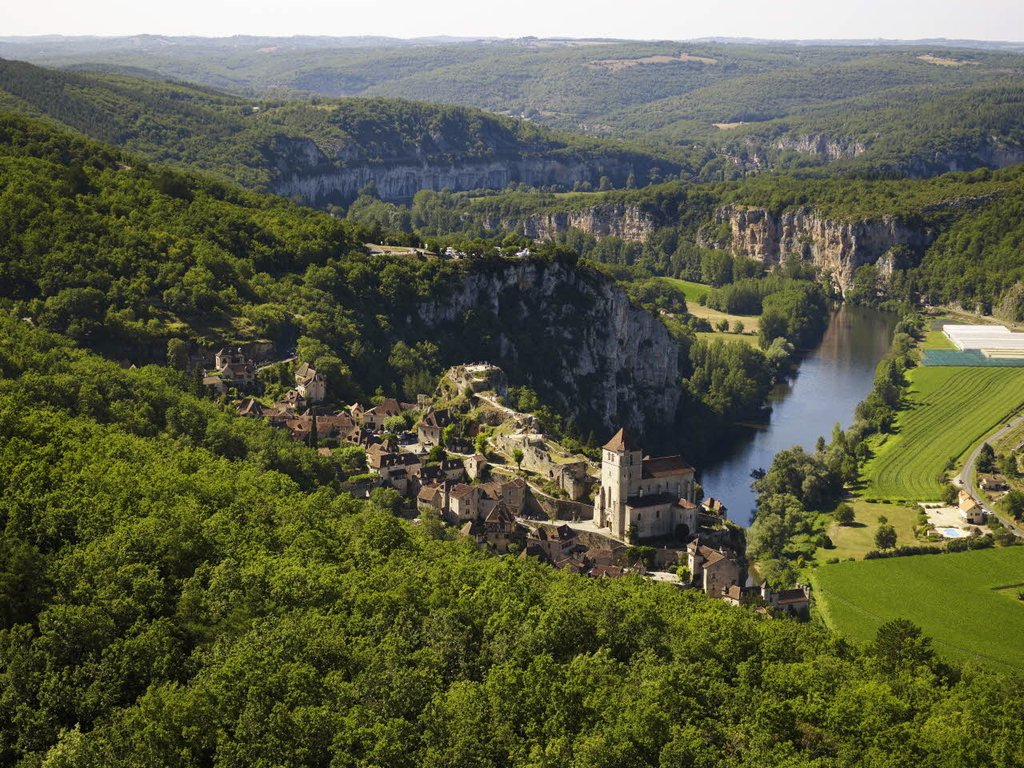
(950, 410)
(858, 538)
(693, 293)
(967, 602)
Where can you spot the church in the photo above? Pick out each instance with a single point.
(643, 497)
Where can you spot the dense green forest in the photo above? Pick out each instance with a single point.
(170, 598)
(918, 109)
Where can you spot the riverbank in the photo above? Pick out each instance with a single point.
(947, 414)
(825, 389)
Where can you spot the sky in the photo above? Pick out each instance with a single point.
(635, 19)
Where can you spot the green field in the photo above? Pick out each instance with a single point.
(693, 291)
(937, 340)
(966, 601)
(857, 539)
(950, 410)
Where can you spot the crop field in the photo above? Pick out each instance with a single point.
(951, 409)
(967, 602)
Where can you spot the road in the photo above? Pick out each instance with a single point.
(966, 477)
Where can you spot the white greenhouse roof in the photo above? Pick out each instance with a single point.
(988, 338)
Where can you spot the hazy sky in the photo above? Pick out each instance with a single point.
(648, 19)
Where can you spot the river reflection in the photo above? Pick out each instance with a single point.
(830, 382)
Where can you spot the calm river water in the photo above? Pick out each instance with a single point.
(830, 382)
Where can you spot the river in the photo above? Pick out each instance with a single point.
(826, 388)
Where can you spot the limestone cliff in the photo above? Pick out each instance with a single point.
(827, 147)
(569, 333)
(627, 222)
(319, 180)
(836, 248)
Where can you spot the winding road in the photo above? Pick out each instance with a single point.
(966, 477)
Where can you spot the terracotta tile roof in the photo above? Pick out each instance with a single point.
(251, 407)
(305, 373)
(438, 419)
(461, 491)
(790, 596)
(711, 556)
(491, 489)
(735, 592)
(389, 407)
(666, 466)
(500, 514)
(428, 493)
(651, 500)
(623, 440)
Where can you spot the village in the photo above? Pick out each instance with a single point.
(464, 457)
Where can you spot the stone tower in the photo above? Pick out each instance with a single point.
(621, 470)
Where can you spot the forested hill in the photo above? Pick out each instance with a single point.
(325, 150)
(180, 587)
(123, 257)
(916, 109)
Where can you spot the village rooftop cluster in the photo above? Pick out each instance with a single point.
(523, 494)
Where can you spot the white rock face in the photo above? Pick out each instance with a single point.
(824, 146)
(319, 179)
(835, 247)
(627, 222)
(597, 355)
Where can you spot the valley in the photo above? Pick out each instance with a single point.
(509, 402)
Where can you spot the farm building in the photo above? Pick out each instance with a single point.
(991, 340)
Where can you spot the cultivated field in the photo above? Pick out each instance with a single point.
(966, 601)
(951, 410)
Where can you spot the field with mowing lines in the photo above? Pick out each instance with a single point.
(966, 601)
(951, 409)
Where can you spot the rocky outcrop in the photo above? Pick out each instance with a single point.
(627, 222)
(836, 248)
(323, 182)
(992, 153)
(823, 146)
(572, 335)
